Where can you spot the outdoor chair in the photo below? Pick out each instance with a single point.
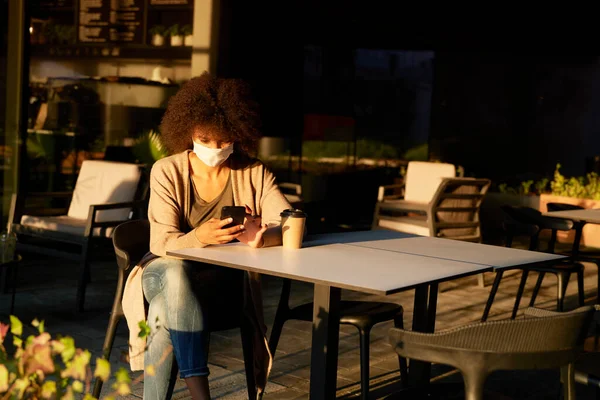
(541, 340)
(577, 254)
(361, 314)
(106, 194)
(131, 242)
(293, 194)
(452, 213)
(528, 222)
(421, 182)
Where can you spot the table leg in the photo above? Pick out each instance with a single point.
(325, 338)
(423, 321)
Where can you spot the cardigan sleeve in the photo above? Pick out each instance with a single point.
(165, 215)
(272, 202)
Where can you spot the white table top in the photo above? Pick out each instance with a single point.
(494, 256)
(588, 215)
(338, 265)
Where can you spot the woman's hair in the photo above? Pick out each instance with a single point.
(222, 107)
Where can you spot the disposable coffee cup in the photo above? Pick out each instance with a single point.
(292, 228)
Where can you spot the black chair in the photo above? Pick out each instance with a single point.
(361, 314)
(576, 254)
(524, 221)
(131, 242)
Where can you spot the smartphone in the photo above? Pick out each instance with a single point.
(236, 212)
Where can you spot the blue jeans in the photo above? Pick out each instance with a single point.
(185, 298)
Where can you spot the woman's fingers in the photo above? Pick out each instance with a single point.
(222, 222)
(229, 238)
(230, 231)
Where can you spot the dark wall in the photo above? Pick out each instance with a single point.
(261, 44)
(508, 116)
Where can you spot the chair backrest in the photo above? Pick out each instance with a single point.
(563, 207)
(101, 182)
(558, 332)
(455, 208)
(424, 178)
(131, 241)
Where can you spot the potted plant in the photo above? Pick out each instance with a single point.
(175, 34)
(158, 35)
(186, 31)
(583, 191)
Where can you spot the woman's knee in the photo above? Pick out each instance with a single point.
(177, 276)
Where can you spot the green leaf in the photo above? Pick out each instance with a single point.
(16, 326)
(48, 389)
(3, 378)
(122, 376)
(19, 387)
(144, 329)
(77, 386)
(38, 324)
(17, 341)
(68, 352)
(89, 397)
(102, 369)
(122, 389)
(77, 367)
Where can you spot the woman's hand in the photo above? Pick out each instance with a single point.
(253, 234)
(212, 232)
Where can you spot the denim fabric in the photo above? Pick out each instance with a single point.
(181, 296)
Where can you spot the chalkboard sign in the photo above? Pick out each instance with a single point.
(53, 4)
(170, 2)
(93, 21)
(126, 20)
(102, 21)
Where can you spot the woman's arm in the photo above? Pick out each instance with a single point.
(165, 215)
(272, 203)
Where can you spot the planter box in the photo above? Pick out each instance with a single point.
(591, 232)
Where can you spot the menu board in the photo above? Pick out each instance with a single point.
(93, 21)
(170, 2)
(103, 21)
(126, 18)
(52, 4)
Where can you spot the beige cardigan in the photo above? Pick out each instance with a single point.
(252, 184)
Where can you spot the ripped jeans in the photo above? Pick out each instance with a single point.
(185, 298)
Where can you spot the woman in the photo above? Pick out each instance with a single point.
(211, 126)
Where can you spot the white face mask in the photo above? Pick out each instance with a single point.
(212, 157)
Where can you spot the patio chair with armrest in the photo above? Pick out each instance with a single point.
(538, 341)
(452, 212)
(105, 195)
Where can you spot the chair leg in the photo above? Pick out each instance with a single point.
(280, 317)
(399, 323)
(580, 288)
(567, 375)
(107, 348)
(474, 383)
(247, 346)
(520, 291)
(561, 289)
(83, 278)
(536, 289)
(492, 295)
(365, 342)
